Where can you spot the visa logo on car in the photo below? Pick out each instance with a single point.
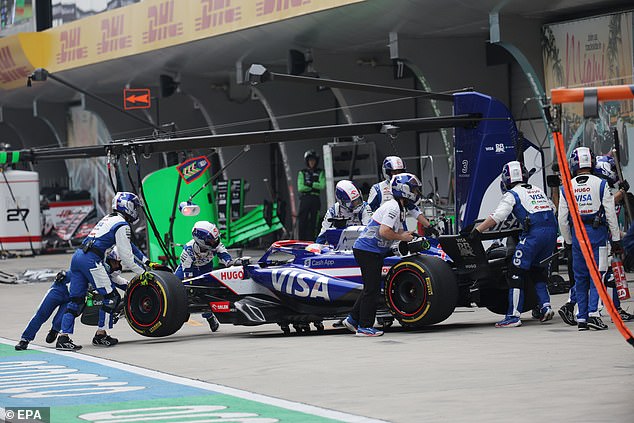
(293, 282)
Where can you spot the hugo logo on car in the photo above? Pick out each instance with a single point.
(232, 274)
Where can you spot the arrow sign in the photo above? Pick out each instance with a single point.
(136, 98)
(192, 169)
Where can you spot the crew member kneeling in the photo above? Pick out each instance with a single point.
(197, 258)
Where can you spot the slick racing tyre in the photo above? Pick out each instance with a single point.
(496, 300)
(421, 290)
(158, 307)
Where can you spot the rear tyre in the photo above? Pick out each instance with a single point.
(497, 300)
(421, 290)
(156, 308)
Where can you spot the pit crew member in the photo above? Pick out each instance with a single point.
(349, 207)
(382, 192)
(604, 168)
(537, 241)
(197, 258)
(374, 244)
(596, 207)
(87, 268)
(310, 182)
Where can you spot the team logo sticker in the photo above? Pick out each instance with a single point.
(192, 169)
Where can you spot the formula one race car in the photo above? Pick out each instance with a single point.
(298, 283)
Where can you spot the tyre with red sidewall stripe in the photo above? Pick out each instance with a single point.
(158, 307)
(421, 290)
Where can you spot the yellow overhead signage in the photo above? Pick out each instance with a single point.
(155, 24)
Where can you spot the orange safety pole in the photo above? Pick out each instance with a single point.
(584, 241)
(576, 95)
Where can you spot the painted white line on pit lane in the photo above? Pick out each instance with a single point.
(289, 405)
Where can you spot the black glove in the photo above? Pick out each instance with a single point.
(624, 185)
(474, 235)
(617, 248)
(567, 247)
(432, 231)
(60, 277)
(111, 301)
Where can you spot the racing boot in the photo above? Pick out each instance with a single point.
(547, 314)
(214, 324)
(64, 343)
(351, 324)
(581, 326)
(596, 323)
(509, 322)
(51, 336)
(625, 316)
(567, 313)
(368, 332)
(22, 345)
(104, 340)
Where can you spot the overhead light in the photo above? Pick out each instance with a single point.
(187, 208)
(257, 74)
(390, 130)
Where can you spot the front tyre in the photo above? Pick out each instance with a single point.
(421, 290)
(158, 307)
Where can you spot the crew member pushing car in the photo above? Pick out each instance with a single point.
(197, 258)
(531, 207)
(374, 244)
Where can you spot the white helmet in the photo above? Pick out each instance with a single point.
(348, 195)
(206, 235)
(113, 254)
(392, 165)
(128, 205)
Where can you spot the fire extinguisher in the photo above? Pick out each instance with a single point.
(620, 281)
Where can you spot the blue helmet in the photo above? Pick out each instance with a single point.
(206, 235)
(512, 173)
(392, 165)
(348, 195)
(605, 167)
(112, 262)
(407, 186)
(127, 204)
(581, 158)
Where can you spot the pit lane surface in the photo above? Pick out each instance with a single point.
(463, 370)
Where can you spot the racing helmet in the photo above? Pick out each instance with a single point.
(311, 154)
(392, 165)
(407, 186)
(127, 204)
(206, 235)
(113, 261)
(113, 254)
(605, 167)
(581, 158)
(512, 173)
(348, 196)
